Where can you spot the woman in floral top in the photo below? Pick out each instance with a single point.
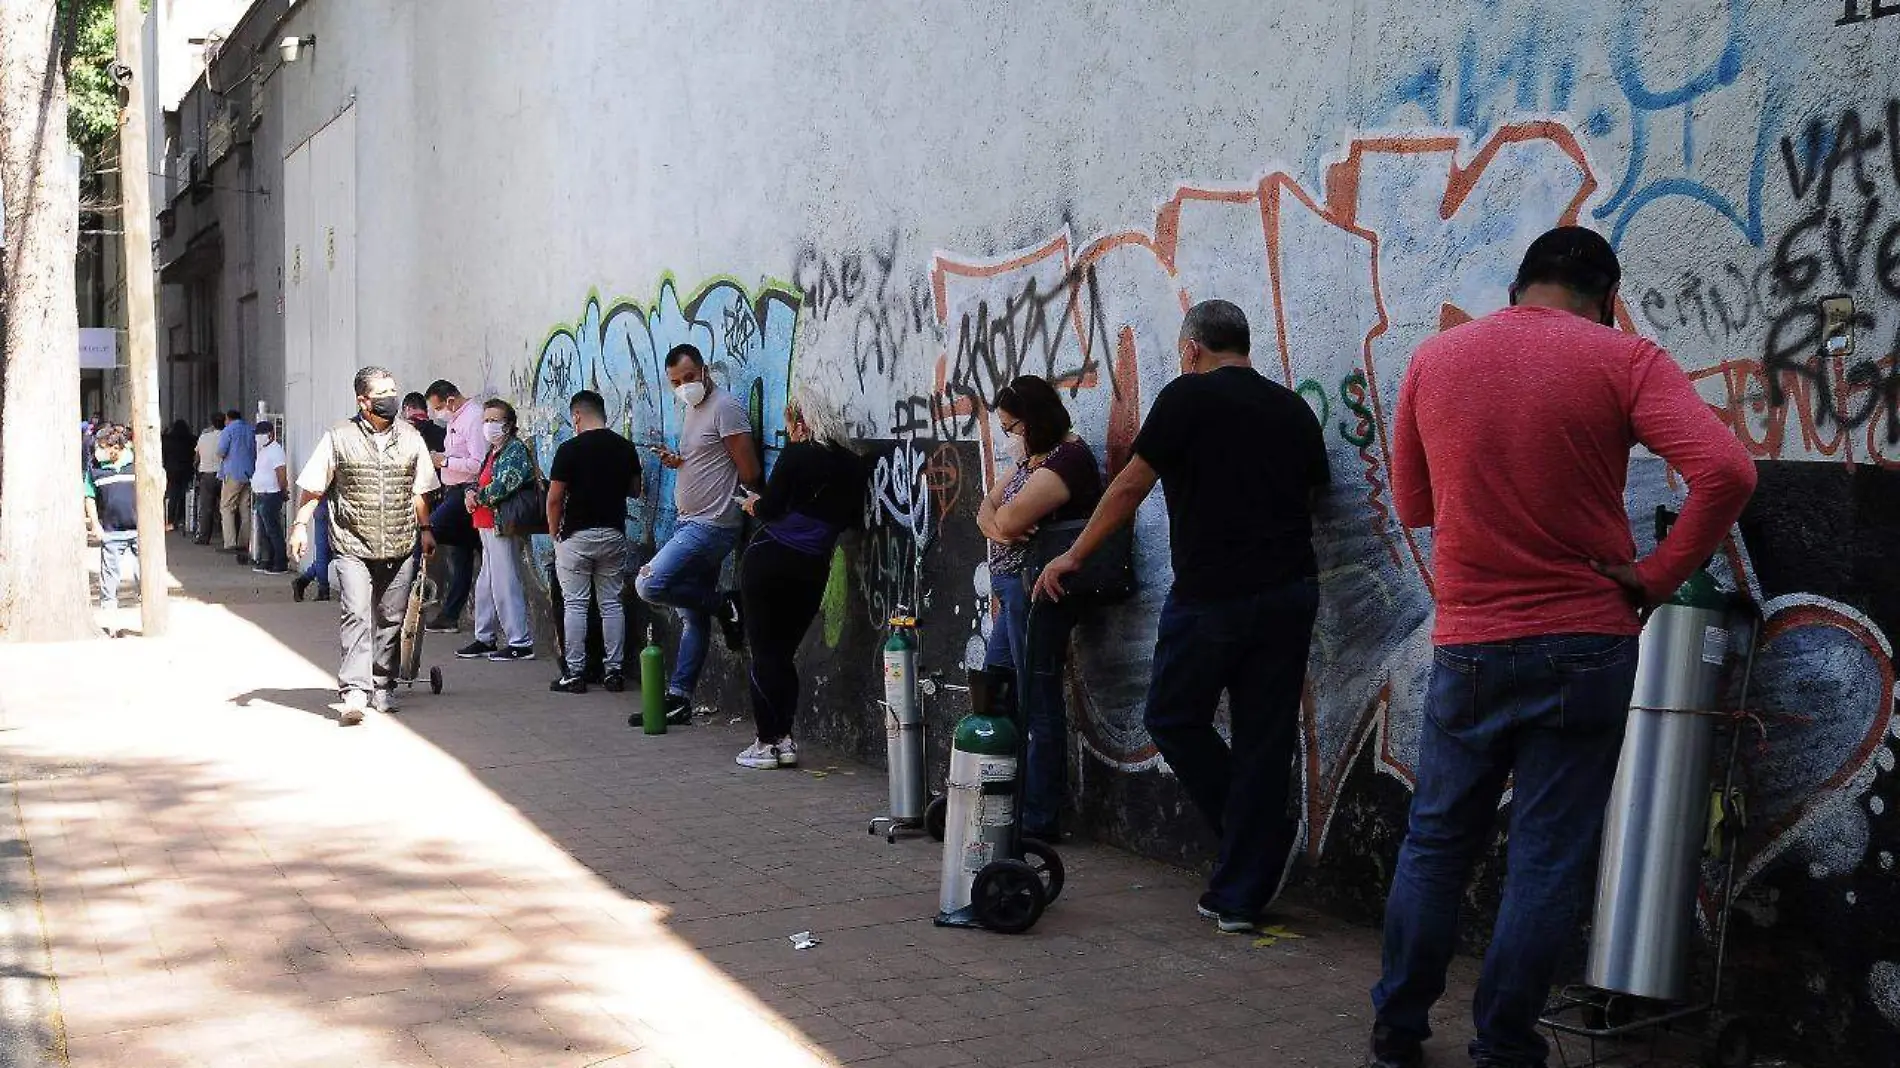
(1055, 480)
(501, 606)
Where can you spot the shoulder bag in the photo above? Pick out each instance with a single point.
(525, 511)
(1106, 577)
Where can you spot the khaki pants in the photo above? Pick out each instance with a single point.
(235, 503)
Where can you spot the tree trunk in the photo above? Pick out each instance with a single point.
(42, 541)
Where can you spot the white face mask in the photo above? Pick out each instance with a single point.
(691, 393)
(1014, 448)
(263, 440)
(491, 431)
(441, 416)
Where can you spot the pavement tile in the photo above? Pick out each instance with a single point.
(496, 878)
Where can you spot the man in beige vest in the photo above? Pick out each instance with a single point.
(375, 471)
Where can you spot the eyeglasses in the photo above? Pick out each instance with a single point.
(1011, 428)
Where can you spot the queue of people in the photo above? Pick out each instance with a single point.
(1534, 569)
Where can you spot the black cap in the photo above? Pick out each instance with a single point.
(1572, 256)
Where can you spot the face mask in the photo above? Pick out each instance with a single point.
(441, 416)
(491, 431)
(263, 440)
(385, 408)
(102, 456)
(691, 393)
(1014, 448)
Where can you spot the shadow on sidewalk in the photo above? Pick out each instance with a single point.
(731, 862)
(319, 703)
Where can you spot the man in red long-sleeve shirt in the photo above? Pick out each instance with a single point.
(1512, 441)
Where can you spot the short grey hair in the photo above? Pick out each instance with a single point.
(823, 420)
(1218, 326)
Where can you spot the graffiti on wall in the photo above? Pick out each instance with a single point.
(1342, 287)
(620, 352)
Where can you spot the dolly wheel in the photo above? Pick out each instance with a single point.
(1007, 896)
(1728, 1044)
(936, 814)
(1041, 856)
(435, 680)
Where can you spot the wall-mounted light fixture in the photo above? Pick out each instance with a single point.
(292, 47)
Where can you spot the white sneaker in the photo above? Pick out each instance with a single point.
(758, 755)
(787, 752)
(354, 702)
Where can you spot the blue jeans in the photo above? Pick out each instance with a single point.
(1254, 647)
(684, 576)
(1548, 712)
(455, 537)
(269, 508)
(1037, 655)
(318, 569)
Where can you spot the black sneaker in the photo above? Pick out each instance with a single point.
(512, 653)
(323, 593)
(1226, 922)
(679, 710)
(614, 682)
(1387, 1050)
(438, 625)
(297, 587)
(475, 650)
(731, 627)
(568, 684)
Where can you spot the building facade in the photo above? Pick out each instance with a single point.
(902, 208)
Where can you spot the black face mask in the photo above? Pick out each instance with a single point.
(385, 408)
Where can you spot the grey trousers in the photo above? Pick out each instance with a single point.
(374, 595)
(593, 561)
(118, 559)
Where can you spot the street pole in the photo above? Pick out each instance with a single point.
(135, 207)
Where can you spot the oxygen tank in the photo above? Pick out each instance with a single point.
(1658, 815)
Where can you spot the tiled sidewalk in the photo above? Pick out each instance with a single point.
(502, 876)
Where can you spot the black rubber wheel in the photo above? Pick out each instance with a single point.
(1041, 856)
(936, 815)
(1007, 896)
(435, 680)
(1728, 1043)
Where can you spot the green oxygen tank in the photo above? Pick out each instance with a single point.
(652, 688)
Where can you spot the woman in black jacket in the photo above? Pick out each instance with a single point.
(815, 494)
(178, 448)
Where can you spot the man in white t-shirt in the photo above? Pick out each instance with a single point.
(269, 485)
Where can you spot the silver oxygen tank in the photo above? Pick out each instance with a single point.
(1658, 815)
(903, 724)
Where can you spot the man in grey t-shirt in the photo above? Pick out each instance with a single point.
(715, 458)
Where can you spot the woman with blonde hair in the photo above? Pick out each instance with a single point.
(815, 494)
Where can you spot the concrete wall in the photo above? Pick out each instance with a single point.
(906, 205)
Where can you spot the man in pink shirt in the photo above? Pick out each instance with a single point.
(460, 464)
(1512, 441)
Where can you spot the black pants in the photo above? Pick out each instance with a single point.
(209, 488)
(1254, 646)
(779, 590)
(176, 486)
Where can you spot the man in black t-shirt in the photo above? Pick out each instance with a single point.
(1239, 458)
(593, 475)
